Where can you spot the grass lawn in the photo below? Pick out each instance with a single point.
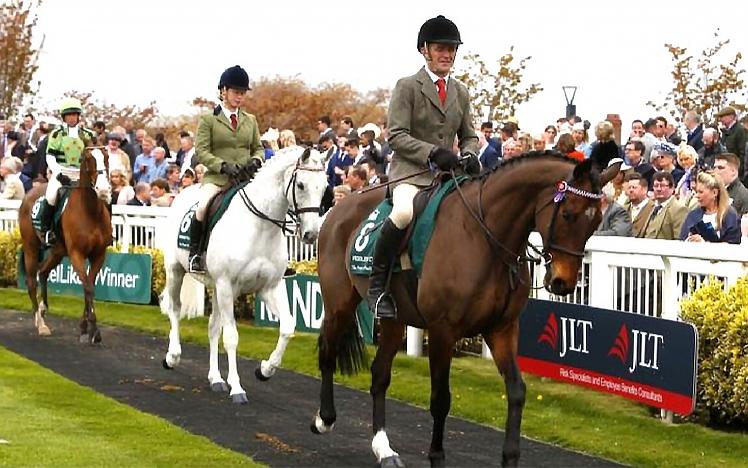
(48, 420)
(562, 414)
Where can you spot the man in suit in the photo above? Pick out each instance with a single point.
(639, 206)
(668, 213)
(734, 135)
(634, 151)
(726, 166)
(695, 130)
(710, 148)
(323, 125)
(616, 221)
(142, 195)
(486, 128)
(489, 157)
(426, 112)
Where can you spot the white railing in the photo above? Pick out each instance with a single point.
(143, 226)
(644, 276)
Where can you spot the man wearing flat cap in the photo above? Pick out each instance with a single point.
(734, 135)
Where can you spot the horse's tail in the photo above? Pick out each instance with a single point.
(193, 297)
(351, 355)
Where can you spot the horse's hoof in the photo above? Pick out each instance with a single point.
(44, 331)
(393, 461)
(83, 339)
(437, 460)
(166, 365)
(219, 387)
(96, 338)
(260, 376)
(240, 399)
(319, 427)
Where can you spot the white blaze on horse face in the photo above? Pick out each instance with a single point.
(308, 191)
(103, 187)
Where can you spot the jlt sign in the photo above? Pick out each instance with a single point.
(644, 358)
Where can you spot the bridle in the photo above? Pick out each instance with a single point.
(562, 188)
(295, 212)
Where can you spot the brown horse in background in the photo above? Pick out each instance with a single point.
(85, 233)
(475, 280)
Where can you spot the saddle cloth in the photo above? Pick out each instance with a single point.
(62, 201)
(216, 208)
(425, 209)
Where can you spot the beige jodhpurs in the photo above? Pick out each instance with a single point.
(206, 193)
(402, 204)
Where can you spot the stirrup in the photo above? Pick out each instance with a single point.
(195, 264)
(385, 296)
(49, 238)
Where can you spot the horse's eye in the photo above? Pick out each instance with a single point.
(300, 185)
(568, 217)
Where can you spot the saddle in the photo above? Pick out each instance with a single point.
(63, 193)
(217, 206)
(413, 249)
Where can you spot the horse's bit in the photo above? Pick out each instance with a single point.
(283, 223)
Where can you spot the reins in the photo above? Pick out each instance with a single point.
(283, 223)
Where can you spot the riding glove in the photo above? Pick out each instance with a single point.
(63, 179)
(444, 159)
(471, 164)
(230, 169)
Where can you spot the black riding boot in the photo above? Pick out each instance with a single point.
(47, 219)
(388, 244)
(196, 263)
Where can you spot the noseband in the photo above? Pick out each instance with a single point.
(283, 223)
(562, 188)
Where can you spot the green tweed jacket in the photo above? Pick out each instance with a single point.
(217, 143)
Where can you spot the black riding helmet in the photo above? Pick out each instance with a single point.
(438, 30)
(234, 77)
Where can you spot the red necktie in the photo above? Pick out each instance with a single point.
(234, 123)
(441, 86)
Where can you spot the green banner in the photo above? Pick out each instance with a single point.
(305, 302)
(122, 278)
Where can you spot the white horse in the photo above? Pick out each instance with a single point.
(247, 252)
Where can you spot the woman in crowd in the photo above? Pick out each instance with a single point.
(566, 147)
(122, 191)
(11, 185)
(199, 173)
(286, 139)
(687, 159)
(714, 220)
(550, 136)
(161, 141)
(580, 137)
(188, 178)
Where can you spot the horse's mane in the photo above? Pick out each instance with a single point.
(529, 156)
(281, 160)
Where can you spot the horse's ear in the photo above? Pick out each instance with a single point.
(305, 155)
(583, 169)
(610, 172)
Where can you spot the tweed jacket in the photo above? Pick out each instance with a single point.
(639, 223)
(667, 223)
(419, 123)
(217, 143)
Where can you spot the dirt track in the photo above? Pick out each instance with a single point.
(274, 427)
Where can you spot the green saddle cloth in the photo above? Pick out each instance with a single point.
(36, 212)
(183, 238)
(362, 251)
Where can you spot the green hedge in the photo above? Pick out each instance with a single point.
(721, 318)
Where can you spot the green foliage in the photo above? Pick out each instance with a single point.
(10, 243)
(721, 318)
(706, 84)
(496, 88)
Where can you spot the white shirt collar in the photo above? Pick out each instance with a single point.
(642, 204)
(434, 76)
(228, 113)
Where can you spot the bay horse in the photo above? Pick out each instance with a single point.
(247, 252)
(475, 281)
(85, 233)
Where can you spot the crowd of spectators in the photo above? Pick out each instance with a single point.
(675, 183)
